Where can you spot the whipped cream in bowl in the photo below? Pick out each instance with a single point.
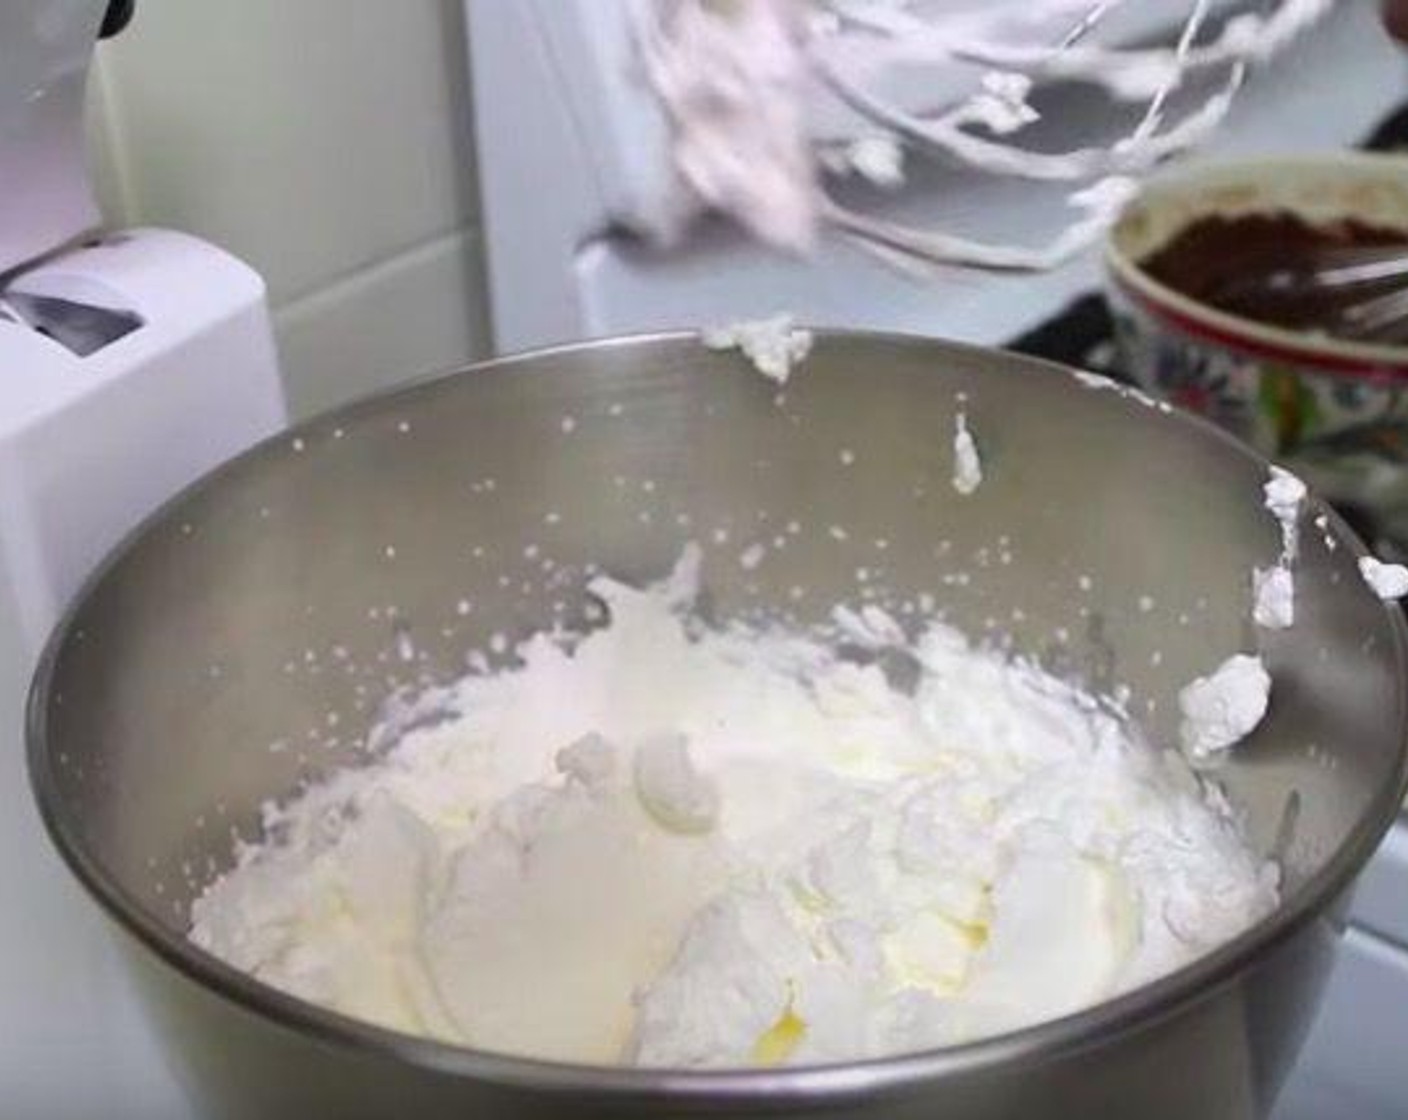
(611, 721)
(724, 847)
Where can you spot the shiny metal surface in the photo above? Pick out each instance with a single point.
(324, 569)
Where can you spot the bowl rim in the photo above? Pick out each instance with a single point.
(1329, 355)
(1139, 1009)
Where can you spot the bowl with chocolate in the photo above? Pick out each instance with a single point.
(1271, 295)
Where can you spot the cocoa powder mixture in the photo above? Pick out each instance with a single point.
(1259, 266)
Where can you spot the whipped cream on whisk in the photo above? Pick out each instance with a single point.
(740, 846)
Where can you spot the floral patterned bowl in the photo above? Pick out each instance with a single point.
(1337, 411)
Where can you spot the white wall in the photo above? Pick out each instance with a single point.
(326, 142)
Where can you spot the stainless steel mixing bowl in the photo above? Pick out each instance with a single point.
(277, 597)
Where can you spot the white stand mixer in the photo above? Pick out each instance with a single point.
(131, 362)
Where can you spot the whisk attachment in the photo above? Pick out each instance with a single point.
(739, 81)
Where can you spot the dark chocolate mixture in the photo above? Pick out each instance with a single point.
(1271, 267)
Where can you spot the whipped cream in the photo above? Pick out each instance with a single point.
(737, 847)
(1387, 581)
(878, 159)
(967, 467)
(774, 345)
(1273, 589)
(1273, 597)
(1223, 708)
